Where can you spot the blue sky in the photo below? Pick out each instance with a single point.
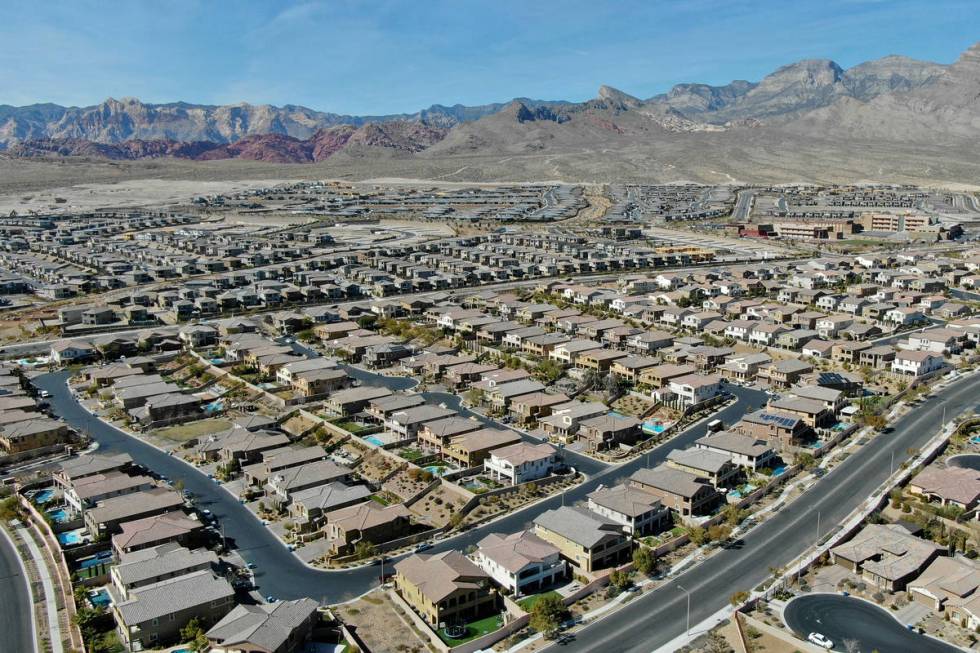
(365, 57)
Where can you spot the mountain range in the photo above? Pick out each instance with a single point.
(894, 104)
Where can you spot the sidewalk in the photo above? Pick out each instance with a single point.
(50, 595)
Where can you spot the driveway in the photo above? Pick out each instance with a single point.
(842, 618)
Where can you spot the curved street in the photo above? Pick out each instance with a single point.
(842, 618)
(16, 617)
(655, 618)
(280, 573)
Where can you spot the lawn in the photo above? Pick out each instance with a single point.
(355, 428)
(410, 454)
(184, 432)
(528, 603)
(474, 629)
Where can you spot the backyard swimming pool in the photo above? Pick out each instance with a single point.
(71, 537)
(653, 427)
(99, 598)
(58, 515)
(100, 558)
(375, 440)
(437, 470)
(740, 492)
(43, 496)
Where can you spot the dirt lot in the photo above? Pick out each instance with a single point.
(438, 505)
(379, 623)
(375, 466)
(142, 192)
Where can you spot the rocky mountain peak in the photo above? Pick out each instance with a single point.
(617, 98)
(812, 73)
(968, 64)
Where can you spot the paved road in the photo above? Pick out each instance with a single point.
(743, 205)
(934, 323)
(655, 618)
(959, 293)
(841, 618)
(278, 572)
(16, 618)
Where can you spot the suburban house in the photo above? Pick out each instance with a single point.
(686, 493)
(950, 486)
(152, 615)
(780, 429)
(520, 562)
(589, 542)
(693, 389)
(154, 564)
(174, 526)
(917, 363)
(308, 508)
(639, 511)
(280, 627)
(87, 491)
(107, 515)
(407, 423)
(743, 450)
(276, 460)
(281, 485)
(563, 423)
(72, 470)
(352, 400)
(888, 556)
(445, 588)
(521, 462)
(814, 413)
(34, 433)
(949, 583)
(607, 431)
(718, 468)
(437, 434)
(366, 522)
(473, 448)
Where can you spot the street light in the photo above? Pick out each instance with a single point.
(683, 589)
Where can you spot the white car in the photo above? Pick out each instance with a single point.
(820, 640)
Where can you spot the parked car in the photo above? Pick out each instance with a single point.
(820, 640)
